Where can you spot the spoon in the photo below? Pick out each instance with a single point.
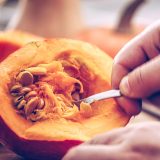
(99, 96)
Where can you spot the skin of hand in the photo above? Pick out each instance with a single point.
(136, 142)
(136, 70)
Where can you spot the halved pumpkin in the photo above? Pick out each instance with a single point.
(10, 41)
(59, 68)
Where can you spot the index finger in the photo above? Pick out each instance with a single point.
(139, 50)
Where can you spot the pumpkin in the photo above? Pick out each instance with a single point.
(111, 40)
(39, 85)
(10, 41)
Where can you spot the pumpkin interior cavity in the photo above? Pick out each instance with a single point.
(48, 91)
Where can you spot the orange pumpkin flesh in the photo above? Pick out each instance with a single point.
(10, 41)
(51, 138)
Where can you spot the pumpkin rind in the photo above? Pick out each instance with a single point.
(10, 41)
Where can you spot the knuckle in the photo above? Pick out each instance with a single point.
(136, 82)
(139, 78)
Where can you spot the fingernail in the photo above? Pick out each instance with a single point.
(124, 86)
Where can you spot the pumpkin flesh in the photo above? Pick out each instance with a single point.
(74, 62)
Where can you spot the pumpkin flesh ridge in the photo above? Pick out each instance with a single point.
(6, 48)
(11, 41)
(57, 88)
(67, 122)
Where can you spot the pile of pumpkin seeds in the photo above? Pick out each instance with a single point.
(25, 99)
(26, 95)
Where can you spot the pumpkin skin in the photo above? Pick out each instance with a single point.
(10, 41)
(107, 39)
(51, 139)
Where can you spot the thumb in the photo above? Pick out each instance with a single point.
(143, 81)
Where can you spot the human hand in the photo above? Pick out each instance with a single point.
(137, 142)
(136, 70)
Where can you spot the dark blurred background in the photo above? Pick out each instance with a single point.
(95, 12)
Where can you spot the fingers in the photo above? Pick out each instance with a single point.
(133, 145)
(96, 148)
(130, 106)
(138, 51)
(115, 136)
(98, 152)
(143, 81)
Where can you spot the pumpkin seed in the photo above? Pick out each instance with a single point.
(35, 116)
(41, 104)
(17, 100)
(31, 105)
(25, 90)
(25, 78)
(59, 98)
(15, 90)
(38, 71)
(30, 94)
(21, 104)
